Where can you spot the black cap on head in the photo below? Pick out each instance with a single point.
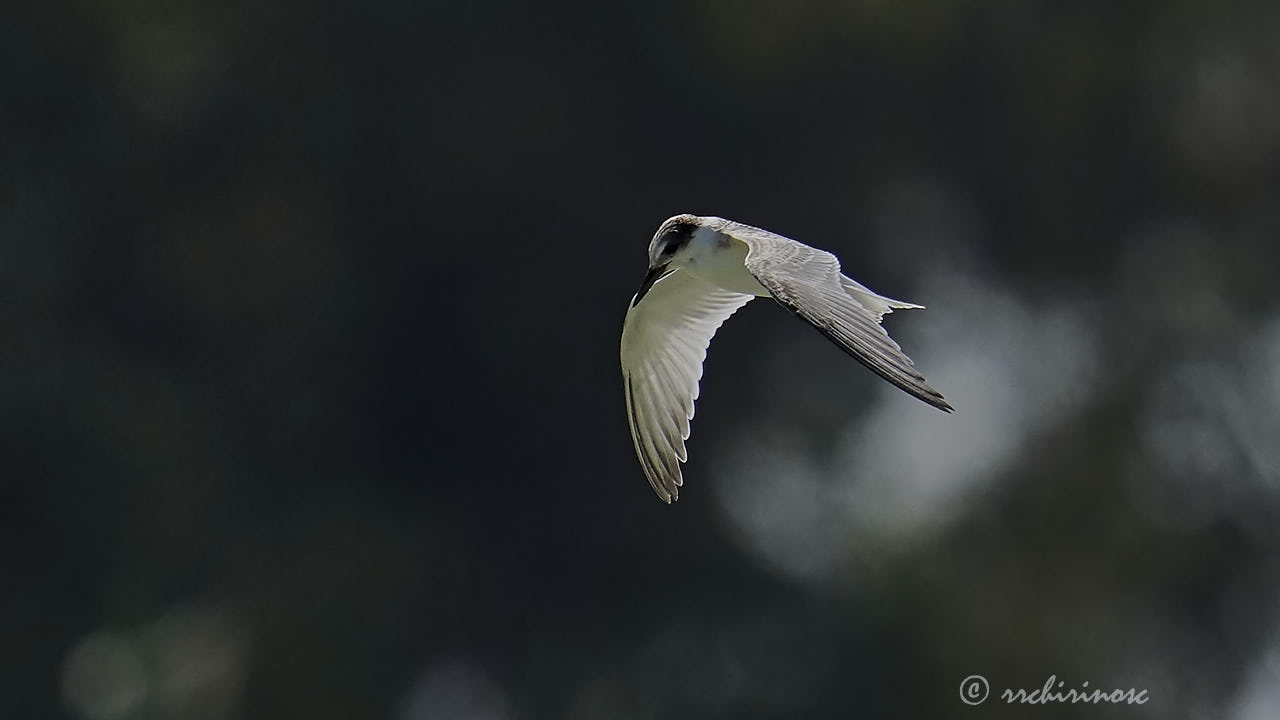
(675, 233)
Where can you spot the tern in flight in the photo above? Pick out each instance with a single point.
(701, 270)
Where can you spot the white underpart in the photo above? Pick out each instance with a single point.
(721, 261)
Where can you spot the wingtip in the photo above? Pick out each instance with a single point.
(941, 403)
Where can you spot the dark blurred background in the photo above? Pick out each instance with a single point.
(310, 403)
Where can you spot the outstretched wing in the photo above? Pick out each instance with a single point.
(664, 341)
(808, 282)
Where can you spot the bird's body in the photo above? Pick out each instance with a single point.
(701, 270)
(719, 261)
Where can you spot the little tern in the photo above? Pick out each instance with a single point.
(701, 270)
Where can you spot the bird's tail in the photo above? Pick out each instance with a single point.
(879, 305)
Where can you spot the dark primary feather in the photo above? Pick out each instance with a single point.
(807, 281)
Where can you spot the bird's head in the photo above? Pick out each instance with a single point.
(670, 245)
(669, 250)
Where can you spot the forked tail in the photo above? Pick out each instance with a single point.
(879, 305)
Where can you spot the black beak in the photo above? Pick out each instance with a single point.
(655, 274)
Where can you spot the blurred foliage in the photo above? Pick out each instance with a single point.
(310, 403)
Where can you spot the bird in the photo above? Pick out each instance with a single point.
(702, 269)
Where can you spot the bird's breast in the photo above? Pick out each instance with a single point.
(726, 268)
